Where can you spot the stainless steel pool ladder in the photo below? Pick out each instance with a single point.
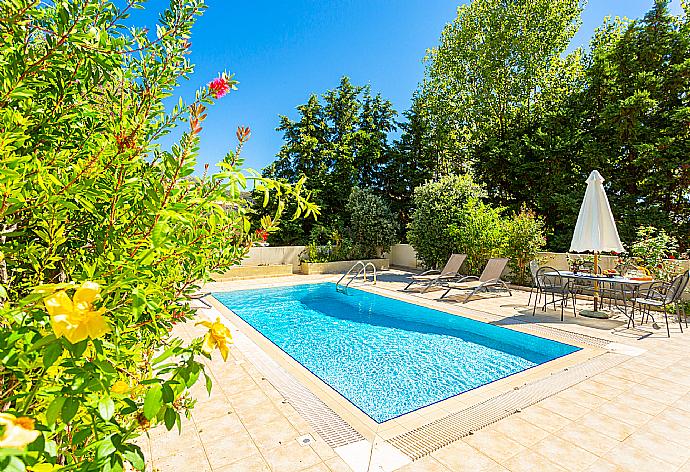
(342, 287)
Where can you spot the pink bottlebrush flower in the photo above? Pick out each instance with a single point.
(219, 87)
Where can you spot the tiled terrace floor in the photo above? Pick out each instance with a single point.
(632, 417)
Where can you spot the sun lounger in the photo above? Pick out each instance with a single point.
(439, 277)
(489, 280)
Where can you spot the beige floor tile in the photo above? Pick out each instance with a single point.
(621, 411)
(655, 394)
(290, 457)
(167, 444)
(660, 447)
(249, 400)
(322, 449)
(587, 438)
(212, 411)
(253, 463)
(672, 430)
(321, 467)
(602, 465)
(543, 418)
(494, 444)
(273, 434)
(580, 397)
(183, 459)
(675, 414)
(564, 407)
(520, 430)
(565, 453)
(336, 464)
(666, 385)
(229, 449)
(607, 425)
(628, 374)
(644, 404)
(600, 389)
(460, 456)
(425, 464)
(530, 461)
(634, 459)
(219, 428)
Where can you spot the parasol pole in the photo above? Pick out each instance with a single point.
(596, 282)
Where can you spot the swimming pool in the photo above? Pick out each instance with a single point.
(386, 356)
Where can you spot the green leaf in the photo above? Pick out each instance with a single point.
(12, 464)
(54, 409)
(42, 342)
(135, 458)
(153, 402)
(106, 448)
(69, 409)
(51, 354)
(106, 408)
(170, 417)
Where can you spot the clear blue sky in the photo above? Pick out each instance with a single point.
(282, 51)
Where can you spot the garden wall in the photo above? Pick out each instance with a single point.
(401, 255)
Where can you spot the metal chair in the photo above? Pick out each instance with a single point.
(550, 281)
(533, 268)
(661, 295)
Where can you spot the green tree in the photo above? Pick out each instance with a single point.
(105, 234)
(478, 232)
(638, 76)
(493, 64)
(523, 239)
(412, 162)
(438, 205)
(372, 226)
(339, 141)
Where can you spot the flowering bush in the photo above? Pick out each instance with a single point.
(655, 250)
(105, 234)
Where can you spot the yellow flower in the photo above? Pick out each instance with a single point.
(218, 335)
(120, 387)
(18, 432)
(76, 319)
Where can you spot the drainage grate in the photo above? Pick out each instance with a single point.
(553, 332)
(433, 436)
(331, 427)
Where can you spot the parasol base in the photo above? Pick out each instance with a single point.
(601, 315)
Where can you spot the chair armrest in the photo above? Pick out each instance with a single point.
(464, 278)
(428, 272)
(656, 290)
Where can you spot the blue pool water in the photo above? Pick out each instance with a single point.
(386, 356)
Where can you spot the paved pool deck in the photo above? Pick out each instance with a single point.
(634, 416)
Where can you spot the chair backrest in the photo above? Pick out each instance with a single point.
(454, 263)
(592, 268)
(676, 287)
(533, 268)
(494, 269)
(548, 277)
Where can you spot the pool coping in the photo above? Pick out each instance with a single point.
(430, 413)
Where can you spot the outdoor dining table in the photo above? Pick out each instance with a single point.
(614, 283)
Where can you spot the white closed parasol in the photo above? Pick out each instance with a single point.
(596, 229)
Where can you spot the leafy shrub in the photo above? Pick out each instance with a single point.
(477, 232)
(438, 205)
(105, 234)
(373, 226)
(653, 248)
(523, 239)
